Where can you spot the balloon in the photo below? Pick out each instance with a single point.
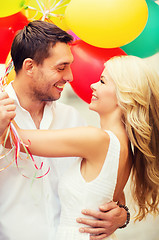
(107, 23)
(75, 37)
(147, 43)
(46, 10)
(88, 65)
(5, 43)
(8, 28)
(10, 77)
(16, 21)
(9, 7)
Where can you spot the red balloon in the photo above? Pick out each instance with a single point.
(88, 65)
(5, 43)
(8, 28)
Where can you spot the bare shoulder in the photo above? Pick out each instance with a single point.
(98, 134)
(97, 142)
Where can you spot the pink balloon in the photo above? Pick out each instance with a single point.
(75, 37)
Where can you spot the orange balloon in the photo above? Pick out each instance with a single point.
(10, 77)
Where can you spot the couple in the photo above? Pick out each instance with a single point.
(126, 105)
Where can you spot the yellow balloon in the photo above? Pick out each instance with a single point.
(107, 23)
(47, 10)
(60, 22)
(9, 7)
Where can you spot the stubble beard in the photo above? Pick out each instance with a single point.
(44, 97)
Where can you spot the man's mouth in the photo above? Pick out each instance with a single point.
(60, 87)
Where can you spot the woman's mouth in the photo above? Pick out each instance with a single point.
(94, 97)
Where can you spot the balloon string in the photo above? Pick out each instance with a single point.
(53, 4)
(2, 85)
(36, 13)
(14, 136)
(47, 11)
(17, 142)
(8, 164)
(56, 5)
(8, 69)
(40, 7)
(3, 155)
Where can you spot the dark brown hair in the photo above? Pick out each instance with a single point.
(35, 40)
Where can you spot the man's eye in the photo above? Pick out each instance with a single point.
(102, 81)
(61, 69)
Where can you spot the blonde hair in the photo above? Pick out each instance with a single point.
(138, 93)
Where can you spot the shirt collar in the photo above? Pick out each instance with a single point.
(10, 90)
(49, 108)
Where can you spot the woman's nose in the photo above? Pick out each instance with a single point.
(93, 86)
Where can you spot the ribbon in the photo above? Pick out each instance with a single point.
(15, 140)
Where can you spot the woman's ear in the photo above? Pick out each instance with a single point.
(28, 66)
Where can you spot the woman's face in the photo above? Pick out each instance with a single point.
(104, 100)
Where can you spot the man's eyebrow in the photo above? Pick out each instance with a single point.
(60, 64)
(63, 63)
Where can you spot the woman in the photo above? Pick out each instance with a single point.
(126, 99)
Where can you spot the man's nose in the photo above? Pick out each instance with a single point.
(68, 76)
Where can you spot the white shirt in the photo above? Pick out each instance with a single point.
(30, 209)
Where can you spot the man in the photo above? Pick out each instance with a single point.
(30, 209)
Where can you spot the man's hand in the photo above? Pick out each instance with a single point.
(7, 111)
(108, 219)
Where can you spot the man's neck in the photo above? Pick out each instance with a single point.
(33, 106)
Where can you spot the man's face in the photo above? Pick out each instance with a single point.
(50, 77)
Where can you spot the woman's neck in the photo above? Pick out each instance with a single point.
(111, 121)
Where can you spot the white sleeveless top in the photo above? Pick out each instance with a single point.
(76, 194)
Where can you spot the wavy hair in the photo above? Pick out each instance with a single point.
(137, 89)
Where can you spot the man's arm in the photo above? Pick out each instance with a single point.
(7, 111)
(107, 220)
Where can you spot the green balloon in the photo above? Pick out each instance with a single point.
(147, 43)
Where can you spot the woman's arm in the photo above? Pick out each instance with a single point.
(84, 142)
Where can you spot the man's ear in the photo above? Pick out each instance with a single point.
(28, 66)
